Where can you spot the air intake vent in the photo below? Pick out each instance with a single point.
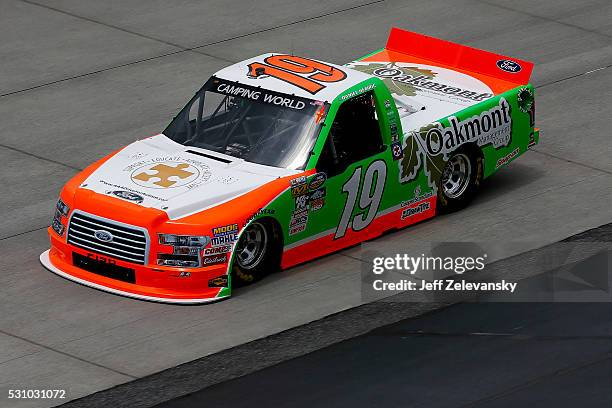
(210, 156)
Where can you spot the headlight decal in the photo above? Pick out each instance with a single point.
(186, 250)
(61, 211)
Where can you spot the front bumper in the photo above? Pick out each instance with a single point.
(157, 284)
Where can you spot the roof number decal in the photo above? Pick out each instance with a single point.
(302, 72)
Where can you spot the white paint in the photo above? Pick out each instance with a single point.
(209, 183)
(436, 104)
(238, 73)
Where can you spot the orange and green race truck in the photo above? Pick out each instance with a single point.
(282, 159)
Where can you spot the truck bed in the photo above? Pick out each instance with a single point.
(430, 79)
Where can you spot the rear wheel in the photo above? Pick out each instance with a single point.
(460, 180)
(257, 253)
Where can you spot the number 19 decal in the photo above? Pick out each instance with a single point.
(369, 199)
(302, 72)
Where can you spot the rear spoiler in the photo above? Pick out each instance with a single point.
(459, 56)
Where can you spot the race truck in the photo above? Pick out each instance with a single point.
(282, 159)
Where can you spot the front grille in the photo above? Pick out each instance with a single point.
(128, 243)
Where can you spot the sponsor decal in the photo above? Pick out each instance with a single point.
(165, 175)
(410, 79)
(138, 155)
(317, 204)
(261, 96)
(127, 195)
(101, 259)
(58, 227)
(393, 129)
(387, 104)
(301, 202)
(223, 235)
(507, 158)
(297, 229)
(225, 230)
(103, 236)
(358, 92)
(218, 282)
(154, 197)
(492, 126)
(316, 199)
(298, 180)
(412, 211)
(320, 193)
(298, 222)
(299, 217)
(227, 180)
(509, 66)
(182, 274)
(299, 189)
(169, 172)
(428, 148)
(317, 181)
(418, 196)
(261, 211)
(214, 260)
(396, 150)
(221, 249)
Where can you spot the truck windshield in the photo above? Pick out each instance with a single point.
(253, 124)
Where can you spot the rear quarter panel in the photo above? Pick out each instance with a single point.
(501, 126)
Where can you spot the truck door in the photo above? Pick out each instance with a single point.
(355, 160)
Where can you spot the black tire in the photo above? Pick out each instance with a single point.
(455, 191)
(247, 269)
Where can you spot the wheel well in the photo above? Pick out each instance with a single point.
(277, 232)
(473, 151)
(274, 257)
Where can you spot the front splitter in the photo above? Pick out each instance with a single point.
(46, 262)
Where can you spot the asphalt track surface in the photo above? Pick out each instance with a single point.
(79, 79)
(478, 354)
(545, 355)
(385, 363)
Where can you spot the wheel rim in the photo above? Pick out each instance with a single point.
(251, 247)
(456, 175)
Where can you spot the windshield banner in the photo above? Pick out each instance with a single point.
(259, 95)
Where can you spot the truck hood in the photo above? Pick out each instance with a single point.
(179, 180)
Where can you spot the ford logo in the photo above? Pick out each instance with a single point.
(103, 236)
(509, 66)
(128, 196)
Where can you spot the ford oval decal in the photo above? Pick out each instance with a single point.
(509, 66)
(103, 236)
(127, 195)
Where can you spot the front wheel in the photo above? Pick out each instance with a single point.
(460, 180)
(256, 253)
